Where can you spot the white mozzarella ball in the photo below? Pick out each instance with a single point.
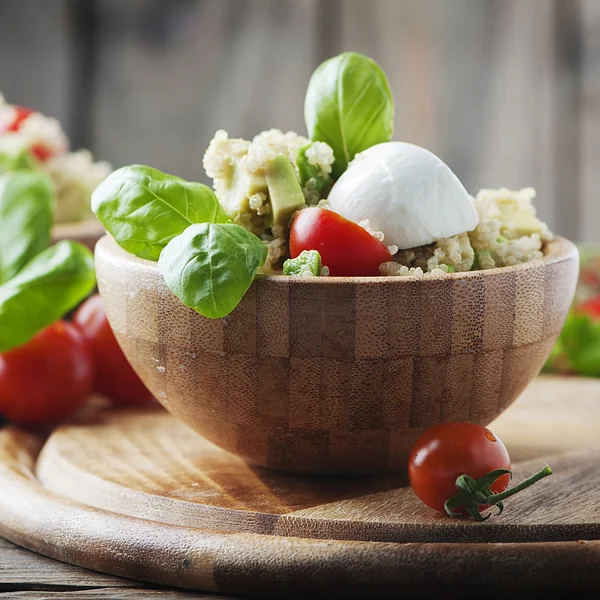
(406, 192)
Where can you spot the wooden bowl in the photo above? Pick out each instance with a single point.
(340, 375)
(85, 232)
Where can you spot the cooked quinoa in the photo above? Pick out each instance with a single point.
(496, 241)
(76, 176)
(237, 168)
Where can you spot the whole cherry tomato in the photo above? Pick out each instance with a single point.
(115, 377)
(447, 451)
(345, 247)
(48, 378)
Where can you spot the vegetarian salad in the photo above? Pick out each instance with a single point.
(343, 201)
(30, 140)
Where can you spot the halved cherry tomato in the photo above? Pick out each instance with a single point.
(39, 151)
(114, 376)
(345, 247)
(47, 379)
(21, 113)
(447, 451)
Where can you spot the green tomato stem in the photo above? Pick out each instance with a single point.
(495, 498)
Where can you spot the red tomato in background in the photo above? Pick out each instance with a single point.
(21, 113)
(447, 451)
(41, 152)
(115, 377)
(47, 379)
(345, 247)
(590, 307)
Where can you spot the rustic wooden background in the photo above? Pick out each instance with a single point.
(506, 91)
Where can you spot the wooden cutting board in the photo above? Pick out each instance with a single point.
(138, 494)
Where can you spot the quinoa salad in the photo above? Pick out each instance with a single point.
(31, 140)
(344, 200)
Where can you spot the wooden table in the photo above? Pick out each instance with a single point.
(24, 574)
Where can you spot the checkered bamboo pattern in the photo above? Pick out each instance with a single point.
(338, 374)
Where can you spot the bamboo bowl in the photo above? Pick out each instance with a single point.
(340, 375)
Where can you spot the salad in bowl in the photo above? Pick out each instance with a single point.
(344, 201)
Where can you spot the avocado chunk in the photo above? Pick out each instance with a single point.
(523, 220)
(285, 192)
(308, 262)
(236, 185)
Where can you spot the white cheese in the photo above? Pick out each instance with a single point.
(406, 192)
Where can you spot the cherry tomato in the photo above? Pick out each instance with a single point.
(345, 247)
(21, 113)
(47, 379)
(447, 451)
(39, 151)
(590, 307)
(115, 377)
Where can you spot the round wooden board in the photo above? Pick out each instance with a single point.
(140, 495)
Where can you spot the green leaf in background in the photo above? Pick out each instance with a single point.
(12, 161)
(144, 209)
(209, 266)
(349, 106)
(27, 203)
(50, 285)
(580, 342)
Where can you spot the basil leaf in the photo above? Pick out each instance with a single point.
(144, 209)
(210, 266)
(349, 106)
(580, 341)
(27, 201)
(50, 285)
(13, 161)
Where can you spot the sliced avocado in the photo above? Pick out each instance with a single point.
(523, 220)
(285, 192)
(237, 186)
(307, 260)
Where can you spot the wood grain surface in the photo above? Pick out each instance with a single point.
(25, 574)
(276, 564)
(84, 232)
(340, 375)
(149, 465)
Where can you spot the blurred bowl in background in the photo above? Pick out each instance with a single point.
(86, 232)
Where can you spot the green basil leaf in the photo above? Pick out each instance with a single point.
(144, 209)
(19, 160)
(49, 286)
(27, 202)
(210, 266)
(349, 106)
(580, 341)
